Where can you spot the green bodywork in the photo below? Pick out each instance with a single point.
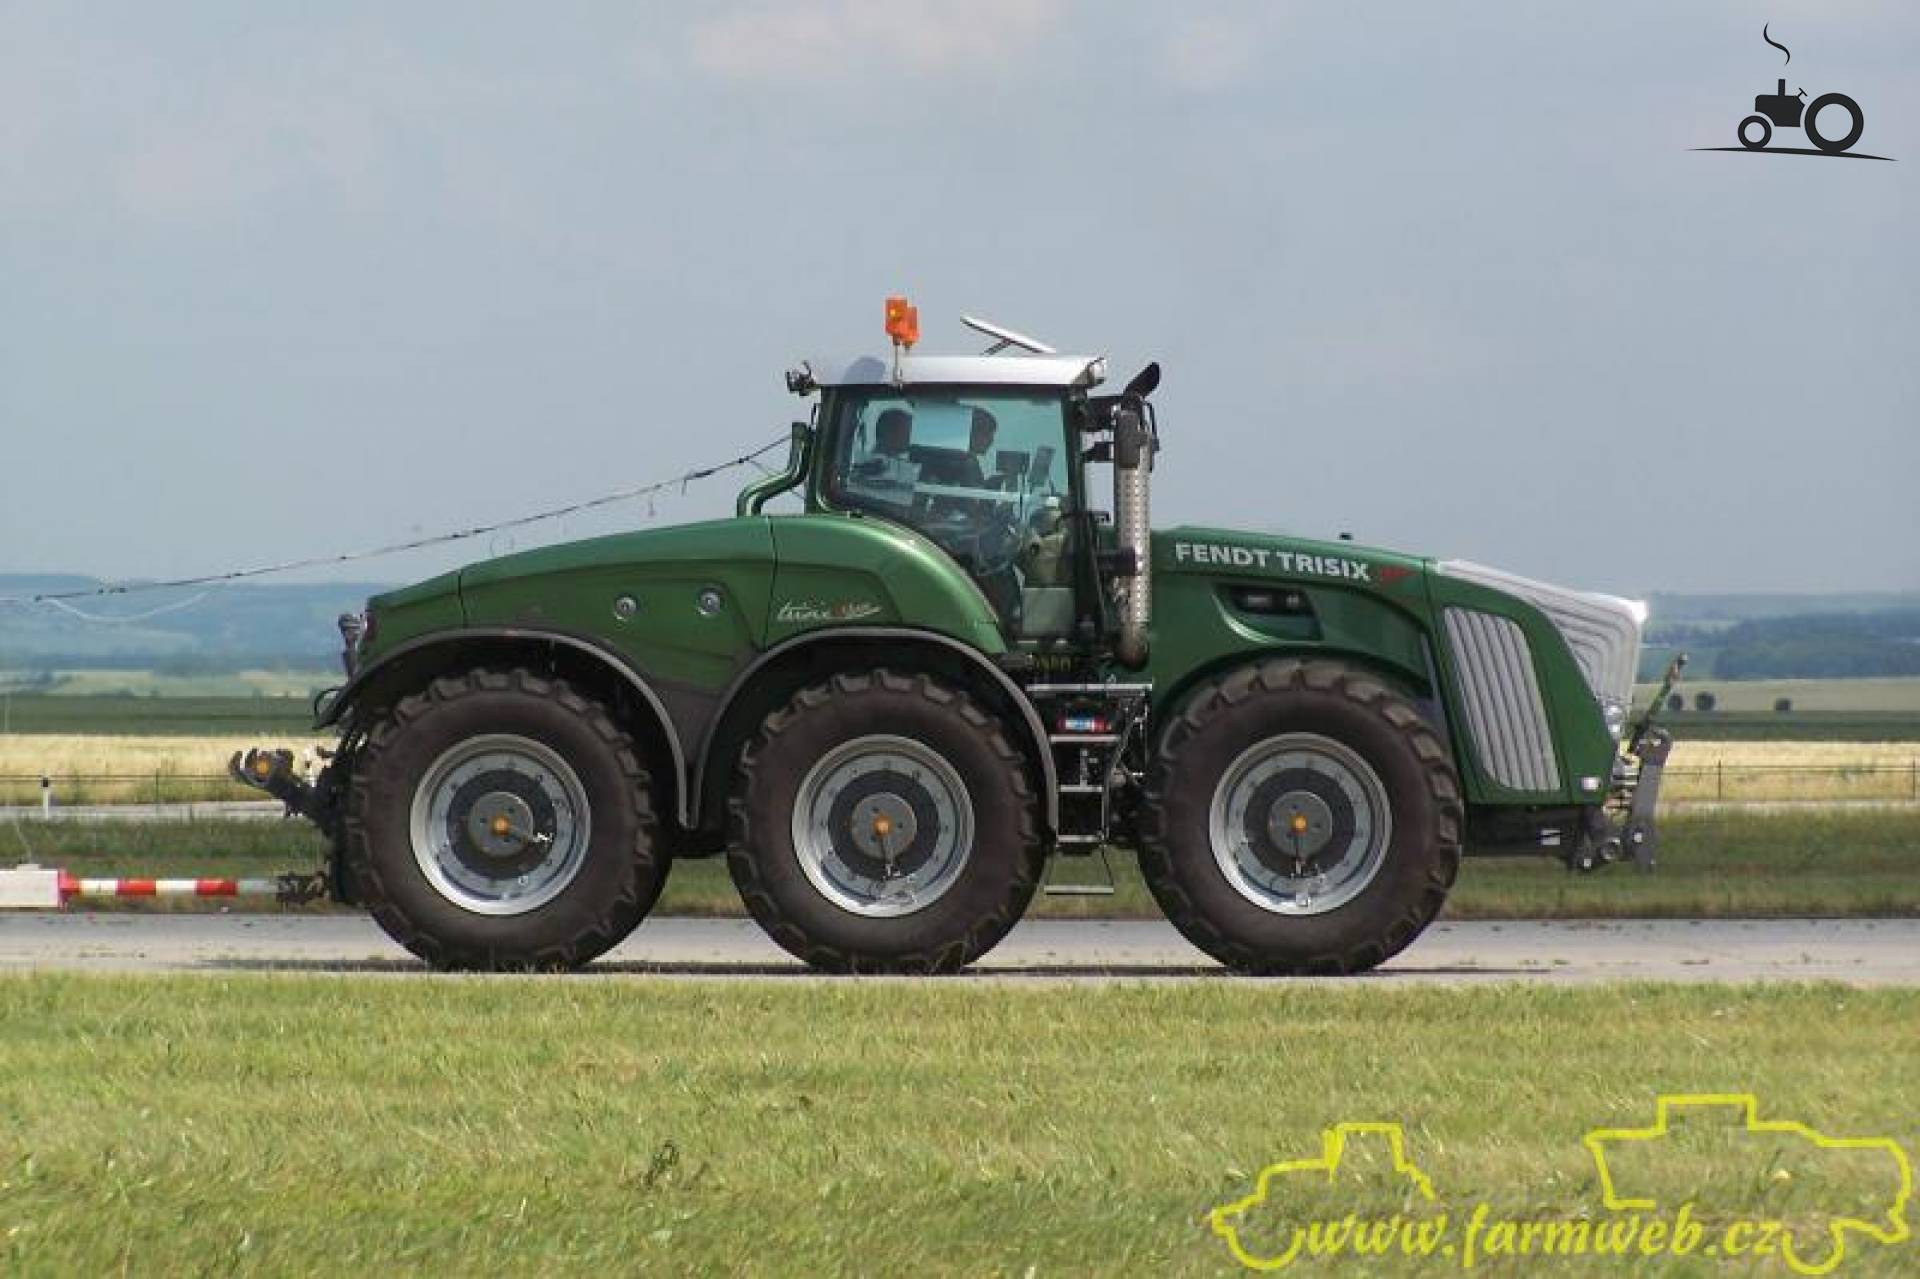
(689, 610)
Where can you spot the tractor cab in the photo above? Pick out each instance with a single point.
(982, 455)
(982, 471)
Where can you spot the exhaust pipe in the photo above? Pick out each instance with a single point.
(1133, 446)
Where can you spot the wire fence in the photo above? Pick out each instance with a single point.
(1882, 782)
(51, 791)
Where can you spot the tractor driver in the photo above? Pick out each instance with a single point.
(979, 439)
(888, 473)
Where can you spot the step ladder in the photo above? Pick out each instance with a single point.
(1089, 728)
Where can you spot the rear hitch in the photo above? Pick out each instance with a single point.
(272, 771)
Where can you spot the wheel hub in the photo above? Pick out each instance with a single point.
(500, 824)
(882, 826)
(1299, 824)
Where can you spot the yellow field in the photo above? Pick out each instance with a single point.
(189, 768)
(1793, 771)
(108, 770)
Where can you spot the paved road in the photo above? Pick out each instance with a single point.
(1862, 952)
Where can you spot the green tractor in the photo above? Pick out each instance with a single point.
(889, 708)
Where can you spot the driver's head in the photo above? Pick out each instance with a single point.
(893, 432)
(981, 437)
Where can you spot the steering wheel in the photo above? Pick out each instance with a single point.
(989, 537)
(999, 541)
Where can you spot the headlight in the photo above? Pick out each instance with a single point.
(1615, 714)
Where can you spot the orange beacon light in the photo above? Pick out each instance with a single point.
(903, 322)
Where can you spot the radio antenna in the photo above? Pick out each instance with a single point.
(1004, 338)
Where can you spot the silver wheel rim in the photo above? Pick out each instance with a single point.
(1300, 824)
(500, 825)
(882, 826)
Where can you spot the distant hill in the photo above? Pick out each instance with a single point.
(1676, 607)
(245, 624)
(1786, 636)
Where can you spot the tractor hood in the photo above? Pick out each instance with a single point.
(1602, 632)
(574, 585)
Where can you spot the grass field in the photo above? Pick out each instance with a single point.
(1866, 709)
(1881, 695)
(1722, 864)
(301, 685)
(120, 716)
(260, 1124)
(100, 768)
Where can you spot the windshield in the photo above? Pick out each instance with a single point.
(928, 456)
(980, 471)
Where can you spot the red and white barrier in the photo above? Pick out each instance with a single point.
(44, 888)
(70, 887)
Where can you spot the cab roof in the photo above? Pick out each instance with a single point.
(990, 370)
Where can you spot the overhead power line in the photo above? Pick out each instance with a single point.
(394, 548)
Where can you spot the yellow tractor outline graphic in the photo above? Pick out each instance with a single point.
(1333, 1146)
(1597, 1139)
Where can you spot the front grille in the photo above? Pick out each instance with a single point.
(1506, 716)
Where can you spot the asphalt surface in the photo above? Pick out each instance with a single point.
(1861, 952)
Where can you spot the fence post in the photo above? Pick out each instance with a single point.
(46, 798)
(1720, 779)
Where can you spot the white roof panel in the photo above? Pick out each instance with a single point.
(997, 370)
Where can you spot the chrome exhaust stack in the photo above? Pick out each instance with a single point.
(1133, 449)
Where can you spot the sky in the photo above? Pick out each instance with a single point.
(279, 281)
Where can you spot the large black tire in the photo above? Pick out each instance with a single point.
(995, 876)
(619, 871)
(1227, 720)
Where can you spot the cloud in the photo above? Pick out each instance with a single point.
(1213, 51)
(830, 40)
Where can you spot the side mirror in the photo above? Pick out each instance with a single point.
(1144, 383)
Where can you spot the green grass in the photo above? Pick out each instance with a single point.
(232, 684)
(263, 1124)
(120, 715)
(1719, 864)
(1798, 726)
(1882, 694)
(1871, 709)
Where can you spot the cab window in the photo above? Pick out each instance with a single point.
(983, 474)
